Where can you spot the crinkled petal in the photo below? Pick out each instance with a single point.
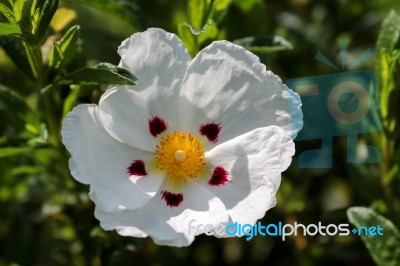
(254, 162)
(227, 84)
(159, 61)
(174, 226)
(101, 161)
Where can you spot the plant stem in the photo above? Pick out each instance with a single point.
(34, 55)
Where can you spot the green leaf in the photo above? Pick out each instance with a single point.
(197, 11)
(70, 101)
(188, 39)
(219, 9)
(46, 14)
(389, 34)
(7, 29)
(385, 249)
(101, 74)
(385, 80)
(12, 151)
(264, 44)
(7, 10)
(21, 9)
(209, 32)
(63, 50)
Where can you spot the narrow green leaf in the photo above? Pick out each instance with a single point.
(8, 29)
(63, 50)
(70, 101)
(12, 151)
(219, 9)
(55, 57)
(209, 32)
(385, 249)
(197, 11)
(264, 44)
(21, 9)
(389, 34)
(46, 14)
(7, 11)
(101, 74)
(385, 80)
(188, 38)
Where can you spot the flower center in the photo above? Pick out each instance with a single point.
(180, 154)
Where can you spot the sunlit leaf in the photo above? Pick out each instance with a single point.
(21, 9)
(63, 50)
(386, 66)
(209, 32)
(264, 44)
(385, 80)
(389, 33)
(70, 101)
(219, 9)
(385, 249)
(7, 29)
(197, 11)
(7, 11)
(188, 38)
(101, 74)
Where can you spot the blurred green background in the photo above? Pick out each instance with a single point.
(46, 216)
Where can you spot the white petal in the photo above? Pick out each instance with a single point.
(166, 225)
(101, 161)
(228, 85)
(159, 61)
(254, 162)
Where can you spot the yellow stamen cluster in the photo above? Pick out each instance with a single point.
(180, 154)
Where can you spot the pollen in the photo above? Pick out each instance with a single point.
(180, 155)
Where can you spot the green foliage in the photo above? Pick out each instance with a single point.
(103, 73)
(47, 217)
(64, 49)
(6, 10)
(7, 29)
(385, 250)
(387, 72)
(46, 12)
(202, 25)
(387, 61)
(265, 44)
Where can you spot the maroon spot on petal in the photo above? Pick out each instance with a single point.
(157, 126)
(219, 177)
(137, 168)
(211, 131)
(172, 199)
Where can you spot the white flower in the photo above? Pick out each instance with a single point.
(203, 140)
